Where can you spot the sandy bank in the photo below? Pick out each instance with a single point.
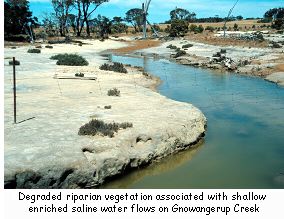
(44, 149)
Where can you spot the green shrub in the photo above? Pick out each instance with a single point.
(16, 62)
(70, 59)
(178, 28)
(179, 53)
(49, 47)
(34, 51)
(96, 127)
(114, 92)
(116, 67)
(186, 46)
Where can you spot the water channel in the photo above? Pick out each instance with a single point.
(244, 142)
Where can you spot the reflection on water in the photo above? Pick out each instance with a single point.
(244, 143)
(164, 165)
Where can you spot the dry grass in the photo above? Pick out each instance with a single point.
(137, 45)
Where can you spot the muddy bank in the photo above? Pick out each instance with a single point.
(260, 62)
(44, 150)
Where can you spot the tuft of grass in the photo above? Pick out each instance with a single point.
(96, 127)
(69, 59)
(38, 47)
(113, 92)
(116, 67)
(16, 62)
(186, 46)
(34, 51)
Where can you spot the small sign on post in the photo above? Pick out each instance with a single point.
(14, 89)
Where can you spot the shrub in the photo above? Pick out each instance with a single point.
(178, 28)
(70, 59)
(236, 27)
(79, 75)
(34, 51)
(114, 92)
(171, 47)
(179, 53)
(186, 46)
(196, 29)
(209, 28)
(108, 107)
(38, 47)
(95, 127)
(49, 47)
(16, 62)
(116, 67)
(13, 47)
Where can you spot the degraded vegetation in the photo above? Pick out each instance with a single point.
(49, 47)
(69, 59)
(116, 67)
(99, 127)
(114, 92)
(34, 51)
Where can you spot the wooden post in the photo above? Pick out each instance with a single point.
(14, 89)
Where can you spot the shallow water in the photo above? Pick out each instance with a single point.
(244, 142)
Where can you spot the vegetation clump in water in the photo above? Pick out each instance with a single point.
(70, 60)
(96, 127)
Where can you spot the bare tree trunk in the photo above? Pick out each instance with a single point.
(229, 14)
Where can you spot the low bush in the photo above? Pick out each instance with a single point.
(34, 51)
(186, 46)
(38, 47)
(96, 127)
(180, 53)
(116, 67)
(79, 75)
(16, 62)
(108, 107)
(171, 47)
(210, 28)
(70, 59)
(114, 92)
(49, 47)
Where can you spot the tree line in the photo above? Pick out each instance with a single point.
(77, 16)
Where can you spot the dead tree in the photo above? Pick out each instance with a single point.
(145, 8)
(229, 14)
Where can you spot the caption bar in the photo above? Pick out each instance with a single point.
(209, 203)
